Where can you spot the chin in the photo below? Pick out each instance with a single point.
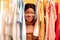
(28, 21)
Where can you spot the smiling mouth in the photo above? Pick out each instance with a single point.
(29, 18)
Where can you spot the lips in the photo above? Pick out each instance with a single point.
(29, 18)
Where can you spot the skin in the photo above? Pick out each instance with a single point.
(29, 16)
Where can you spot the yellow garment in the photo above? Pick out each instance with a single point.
(41, 24)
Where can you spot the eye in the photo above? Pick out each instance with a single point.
(26, 12)
(32, 12)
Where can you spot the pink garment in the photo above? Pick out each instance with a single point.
(50, 21)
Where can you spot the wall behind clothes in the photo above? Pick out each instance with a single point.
(30, 1)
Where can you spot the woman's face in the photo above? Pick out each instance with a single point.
(29, 14)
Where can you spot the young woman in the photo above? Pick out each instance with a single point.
(30, 21)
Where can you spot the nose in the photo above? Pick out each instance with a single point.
(30, 14)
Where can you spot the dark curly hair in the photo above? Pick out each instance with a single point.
(29, 5)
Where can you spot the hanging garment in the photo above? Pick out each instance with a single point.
(20, 16)
(23, 25)
(14, 27)
(0, 16)
(9, 19)
(36, 29)
(59, 24)
(20, 10)
(4, 23)
(50, 20)
(1, 13)
(23, 29)
(57, 35)
(41, 24)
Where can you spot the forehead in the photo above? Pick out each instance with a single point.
(30, 9)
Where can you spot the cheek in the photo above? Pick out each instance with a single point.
(29, 17)
(26, 15)
(33, 15)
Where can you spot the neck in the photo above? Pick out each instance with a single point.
(29, 23)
